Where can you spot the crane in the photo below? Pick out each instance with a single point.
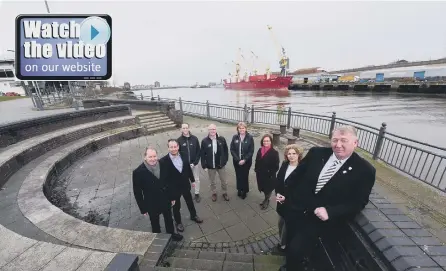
(237, 65)
(284, 60)
(254, 58)
(245, 75)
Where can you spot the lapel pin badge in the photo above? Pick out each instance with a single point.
(345, 171)
(349, 168)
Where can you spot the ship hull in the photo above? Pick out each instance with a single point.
(277, 83)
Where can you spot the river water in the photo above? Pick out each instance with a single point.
(419, 117)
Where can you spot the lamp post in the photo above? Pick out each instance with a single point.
(47, 7)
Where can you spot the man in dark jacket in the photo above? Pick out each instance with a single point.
(334, 186)
(190, 151)
(150, 192)
(177, 173)
(214, 156)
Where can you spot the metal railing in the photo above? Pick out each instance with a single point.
(419, 160)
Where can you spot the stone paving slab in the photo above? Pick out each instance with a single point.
(52, 220)
(18, 253)
(102, 183)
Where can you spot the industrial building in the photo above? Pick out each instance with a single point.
(436, 72)
(406, 74)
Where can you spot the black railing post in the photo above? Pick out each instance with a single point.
(245, 113)
(332, 124)
(208, 110)
(181, 105)
(379, 141)
(288, 125)
(142, 97)
(159, 99)
(252, 114)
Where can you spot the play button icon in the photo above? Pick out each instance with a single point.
(94, 30)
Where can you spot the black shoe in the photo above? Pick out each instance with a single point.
(177, 237)
(197, 219)
(180, 227)
(265, 205)
(243, 195)
(239, 193)
(280, 249)
(197, 198)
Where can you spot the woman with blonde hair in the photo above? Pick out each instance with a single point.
(242, 149)
(286, 180)
(266, 166)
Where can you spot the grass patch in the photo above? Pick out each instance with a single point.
(9, 98)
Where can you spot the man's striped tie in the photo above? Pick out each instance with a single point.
(327, 176)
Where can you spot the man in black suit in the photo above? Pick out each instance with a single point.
(150, 192)
(177, 173)
(334, 186)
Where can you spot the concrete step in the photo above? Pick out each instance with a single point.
(208, 260)
(148, 113)
(154, 121)
(152, 117)
(159, 128)
(159, 124)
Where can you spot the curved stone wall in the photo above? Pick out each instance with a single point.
(36, 207)
(14, 132)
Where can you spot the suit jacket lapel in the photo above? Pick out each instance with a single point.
(342, 173)
(149, 174)
(172, 165)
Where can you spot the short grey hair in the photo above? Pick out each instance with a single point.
(346, 129)
(149, 148)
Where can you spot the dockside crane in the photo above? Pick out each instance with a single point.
(237, 65)
(254, 59)
(245, 75)
(284, 60)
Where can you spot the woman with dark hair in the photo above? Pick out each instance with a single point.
(286, 181)
(266, 166)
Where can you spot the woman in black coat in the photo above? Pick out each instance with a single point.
(242, 149)
(287, 181)
(266, 166)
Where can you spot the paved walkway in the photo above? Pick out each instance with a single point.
(22, 109)
(102, 183)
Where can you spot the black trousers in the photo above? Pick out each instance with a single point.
(190, 205)
(168, 221)
(302, 237)
(242, 175)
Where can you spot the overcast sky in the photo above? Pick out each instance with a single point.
(187, 42)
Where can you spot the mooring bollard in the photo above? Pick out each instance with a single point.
(292, 140)
(296, 131)
(283, 129)
(276, 138)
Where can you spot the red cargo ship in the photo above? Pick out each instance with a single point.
(272, 82)
(261, 82)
